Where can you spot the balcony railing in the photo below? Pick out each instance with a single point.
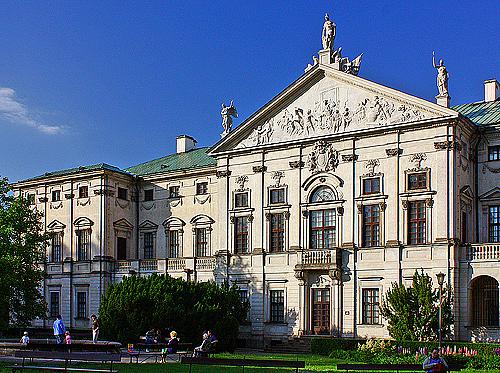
(485, 251)
(122, 266)
(148, 265)
(176, 264)
(320, 259)
(205, 264)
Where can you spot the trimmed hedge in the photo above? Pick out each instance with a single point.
(324, 346)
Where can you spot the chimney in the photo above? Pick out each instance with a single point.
(185, 143)
(490, 90)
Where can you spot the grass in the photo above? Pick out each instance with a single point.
(314, 363)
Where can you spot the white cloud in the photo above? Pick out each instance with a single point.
(16, 112)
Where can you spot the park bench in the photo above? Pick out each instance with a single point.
(294, 364)
(351, 368)
(66, 357)
(184, 349)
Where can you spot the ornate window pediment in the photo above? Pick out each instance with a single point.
(202, 219)
(55, 226)
(173, 223)
(148, 225)
(323, 194)
(123, 224)
(83, 223)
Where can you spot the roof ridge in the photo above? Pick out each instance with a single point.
(166, 156)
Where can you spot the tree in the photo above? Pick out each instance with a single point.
(413, 313)
(22, 248)
(138, 304)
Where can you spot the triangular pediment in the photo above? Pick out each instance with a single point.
(148, 224)
(56, 225)
(123, 224)
(326, 102)
(492, 194)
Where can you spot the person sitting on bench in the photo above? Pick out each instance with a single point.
(203, 349)
(435, 363)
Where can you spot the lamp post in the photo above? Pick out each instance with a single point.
(440, 280)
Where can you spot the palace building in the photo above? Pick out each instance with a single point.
(314, 205)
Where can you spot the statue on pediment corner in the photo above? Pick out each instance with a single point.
(329, 32)
(227, 113)
(442, 77)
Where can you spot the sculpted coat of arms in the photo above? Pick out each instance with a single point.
(323, 158)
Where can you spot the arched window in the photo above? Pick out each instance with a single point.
(323, 223)
(174, 232)
(484, 301)
(323, 194)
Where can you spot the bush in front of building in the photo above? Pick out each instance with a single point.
(138, 304)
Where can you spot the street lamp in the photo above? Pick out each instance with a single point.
(440, 279)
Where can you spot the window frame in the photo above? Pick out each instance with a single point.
(281, 191)
(173, 248)
(52, 311)
(201, 242)
(370, 306)
(122, 193)
(246, 200)
(372, 227)
(370, 181)
(148, 245)
(493, 153)
(277, 306)
(56, 236)
(83, 247)
(418, 185)
(323, 228)
(56, 195)
(417, 239)
(202, 188)
(174, 191)
(277, 232)
(241, 237)
(494, 227)
(83, 191)
(81, 307)
(149, 195)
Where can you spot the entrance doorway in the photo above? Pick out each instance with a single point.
(321, 311)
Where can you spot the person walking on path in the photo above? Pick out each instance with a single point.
(25, 339)
(59, 330)
(95, 327)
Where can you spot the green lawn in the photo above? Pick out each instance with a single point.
(314, 363)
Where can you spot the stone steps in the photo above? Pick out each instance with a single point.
(292, 346)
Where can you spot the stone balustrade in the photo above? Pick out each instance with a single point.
(316, 259)
(122, 266)
(176, 264)
(148, 265)
(484, 251)
(205, 264)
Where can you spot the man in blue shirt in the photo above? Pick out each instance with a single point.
(59, 330)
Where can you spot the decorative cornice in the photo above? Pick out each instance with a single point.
(404, 203)
(221, 174)
(443, 145)
(241, 180)
(349, 157)
(69, 196)
(393, 152)
(296, 164)
(429, 202)
(382, 206)
(260, 169)
(105, 192)
(491, 169)
(340, 210)
(43, 199)
(277, 176)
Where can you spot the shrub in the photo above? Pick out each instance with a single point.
(325, 346)
(139, 304)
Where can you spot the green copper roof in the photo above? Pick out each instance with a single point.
(196, 158)
(481, 113)
(75, 170)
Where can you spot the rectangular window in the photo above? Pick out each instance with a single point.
(148, 245)
(277, 309)
(201, 242)
(371, 185)
(244, 300)
(173, 191)
(121, 248)
(56, 247)
(277, 227)
(54, 304)
(81, 305)
(323, 229)
(148, 194)
(56, 195)
(122, 193)
(416, 222)
(202, 188)
(83, 244)
(241, 235)
(173, 244)
(370, 306)
(30, 198)
(241, 199)
(464, 227)
(417, 181)
(83, 192)
(494, 153)
(277, 196)
(371, 226)
(494, 224)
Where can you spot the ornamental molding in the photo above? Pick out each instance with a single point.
(69, 196)
(221, 174)
(323, 158)
(277, 176)
(241, 181)
(55, 206)
(417, 159)
(371, 164)
(490, 169)
(393, 152)
(122, 203)
(259, 169)
(83, 201)
(105, 192)
(43, 199)
(296, 164)
(201, 199)
(174, 202)
(444, 145)
(340, 210)
(429, 202)
(349, 157)
(148, 206)
(382, 206)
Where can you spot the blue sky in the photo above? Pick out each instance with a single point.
(85, 82)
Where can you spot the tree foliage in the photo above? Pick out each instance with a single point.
(22, 248)
(138, 304)
(412, 312)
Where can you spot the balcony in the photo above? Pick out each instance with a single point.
(317, 259)
(176, 264)
(122, 266)
(483, 252)
(205, 264)
(148, 265)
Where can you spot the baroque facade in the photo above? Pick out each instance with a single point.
(313, 206)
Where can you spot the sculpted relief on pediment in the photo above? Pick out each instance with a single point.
(335, 110)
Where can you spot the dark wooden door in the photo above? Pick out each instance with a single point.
(121, 248)
(321, 311)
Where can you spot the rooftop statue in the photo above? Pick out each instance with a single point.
(442, 78)
(227, 112)
(329, 31)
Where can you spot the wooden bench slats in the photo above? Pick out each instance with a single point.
(75, 356)
(243, 362)
(58, 369)
(410, 367)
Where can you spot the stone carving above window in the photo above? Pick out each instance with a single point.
(417, 159)
(323, 158)
(393, 152)
(296, 164)
(259, 169)
(241, 181)
(221, 174)
(370, 166)
(349, 157)
(277, 176)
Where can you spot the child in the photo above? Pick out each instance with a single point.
(25, 339)
(67, 338)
